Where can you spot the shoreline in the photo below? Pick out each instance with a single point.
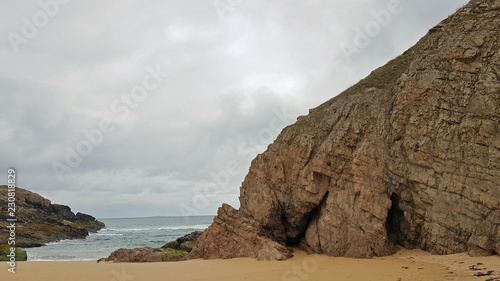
(404, 265)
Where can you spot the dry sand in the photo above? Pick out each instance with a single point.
(405, 265)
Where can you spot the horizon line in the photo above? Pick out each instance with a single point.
(149, 217)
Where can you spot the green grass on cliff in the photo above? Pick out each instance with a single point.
(21, 255)
(386, 76)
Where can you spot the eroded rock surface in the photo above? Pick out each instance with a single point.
(146, 254)
(237, 231)
(408, 156)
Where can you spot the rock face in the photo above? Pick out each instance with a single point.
(173, 251)
(184, 243)
(40, 221)
(146, 254)
(409, 156)
(242, 234)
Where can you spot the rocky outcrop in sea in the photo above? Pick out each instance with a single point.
(409, 156)
(173, 251)
(40, 222)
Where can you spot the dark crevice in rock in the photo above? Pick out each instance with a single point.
(316, 213)
(294, 241)
(397, 227)
(294, 234)
(311, 156)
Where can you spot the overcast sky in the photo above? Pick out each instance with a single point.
(145, 108)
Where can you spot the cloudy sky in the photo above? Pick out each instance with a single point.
(145, 108)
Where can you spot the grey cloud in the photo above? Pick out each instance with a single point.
(228, 78)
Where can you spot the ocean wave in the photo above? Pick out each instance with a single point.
(130, 229)
(198, 226)
(60, 242)
(107, 234)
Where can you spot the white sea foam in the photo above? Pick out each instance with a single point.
(197, 226)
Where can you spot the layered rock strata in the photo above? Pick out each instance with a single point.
(409, 156)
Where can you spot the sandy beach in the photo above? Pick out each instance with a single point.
(405, 265)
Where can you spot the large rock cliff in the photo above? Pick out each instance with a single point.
(409, 156)
(40, 222)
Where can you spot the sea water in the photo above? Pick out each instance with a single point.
(120, 233)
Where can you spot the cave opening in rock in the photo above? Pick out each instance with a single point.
(396, 223)
(293, 234)
(299, 233)
(295, 241)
